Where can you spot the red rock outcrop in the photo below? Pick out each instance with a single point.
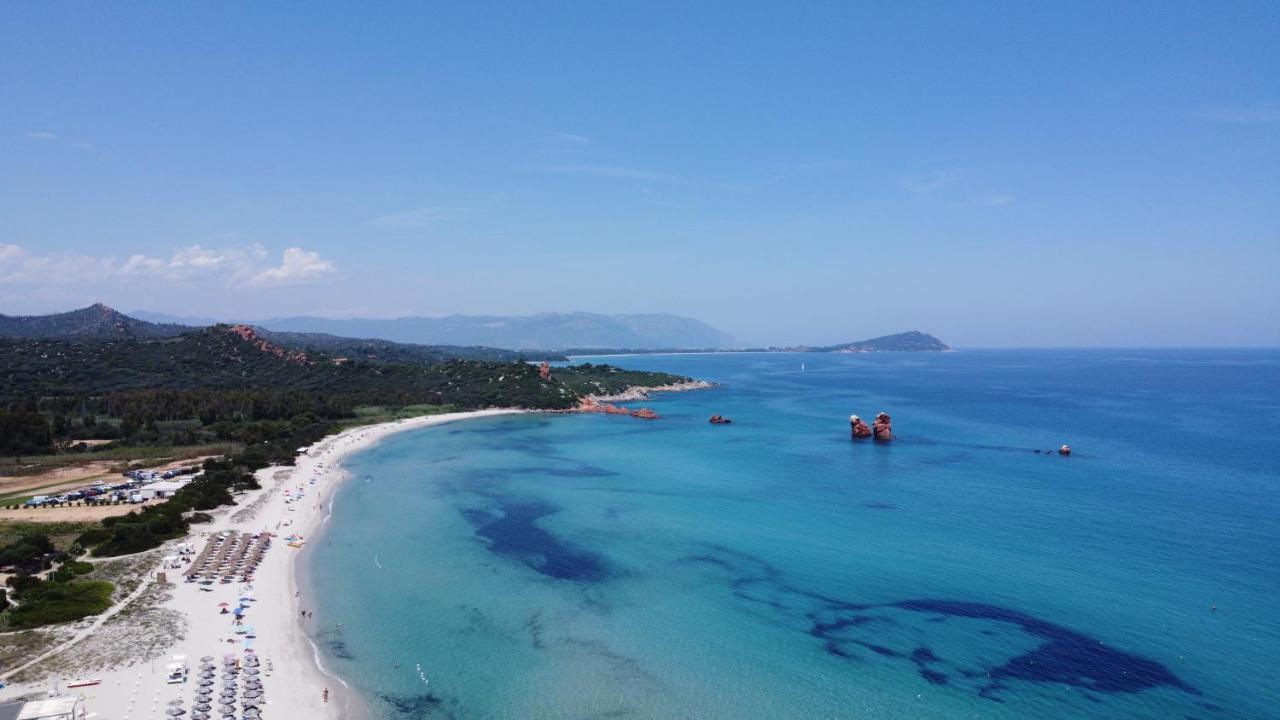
(544, 372)
(247, 333)
(858, 427)
(882, 428)
(589, 404)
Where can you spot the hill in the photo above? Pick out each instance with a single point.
(99, 323)
(393, 352)
(545, 331)
(94, 323)
(913, 341)
(236, 359)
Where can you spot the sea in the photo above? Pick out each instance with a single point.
(592, 566)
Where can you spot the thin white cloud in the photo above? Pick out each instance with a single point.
(416, 218)
(298, 266)
(236, 266)
(931, 182)
(1266, 115)
(573, 138)
(80, 146)
(985, 201)
(43, 135)
(612, 171)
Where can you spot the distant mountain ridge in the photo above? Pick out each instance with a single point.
(543, 331)
(96, 322)
(99, 323)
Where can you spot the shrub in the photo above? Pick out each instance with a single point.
(79, 567)
(54, 602)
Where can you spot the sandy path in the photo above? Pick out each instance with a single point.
(86, 632)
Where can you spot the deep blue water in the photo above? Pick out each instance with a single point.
(606, 567)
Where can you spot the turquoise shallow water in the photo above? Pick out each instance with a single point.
(604, 567)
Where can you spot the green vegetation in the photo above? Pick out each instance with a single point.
(29, 554)
(372, 414)
(62, 534)
(44, 602)
(229, 386)
(265, 442)
(588, 379)
(58, 598)
(391, 352)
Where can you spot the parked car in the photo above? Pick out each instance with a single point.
(74, 495)
(136, 498)
(37, 501)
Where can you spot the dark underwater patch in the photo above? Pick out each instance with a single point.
(334, 645)
(1064, 656)
(513, 532)
(426, 705)
(571, 470)
(880, 506)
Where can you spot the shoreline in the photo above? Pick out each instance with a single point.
(346, 702)
(293, 499)
(644, 392)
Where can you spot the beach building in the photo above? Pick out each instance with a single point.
(162, 489)
(67, 707)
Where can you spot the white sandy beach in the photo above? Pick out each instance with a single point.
(293, 500)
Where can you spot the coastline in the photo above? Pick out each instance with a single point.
(642, 392)
(296, 499)
(327, 455)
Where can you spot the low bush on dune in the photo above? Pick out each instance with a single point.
(48, 602)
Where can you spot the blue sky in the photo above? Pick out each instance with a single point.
(997, 174)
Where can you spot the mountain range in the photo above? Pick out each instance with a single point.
(494, 338)
(544, 331)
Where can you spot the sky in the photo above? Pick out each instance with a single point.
(997, 174)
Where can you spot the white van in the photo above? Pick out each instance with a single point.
(37, 501)
(176, 671)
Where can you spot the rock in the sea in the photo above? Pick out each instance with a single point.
(1064, 450)
(882, 428)
(858, 427)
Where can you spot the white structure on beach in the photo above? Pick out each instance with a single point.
(162, 489)
(67, 707)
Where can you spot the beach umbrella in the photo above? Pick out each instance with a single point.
(201, 716)
(175, 712)
(206, 681)
(175, 702)
(206, 658)
(222, 604)
(251, 671)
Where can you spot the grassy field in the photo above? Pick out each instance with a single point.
(144, 454)
(63, 534)
(373, 414)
